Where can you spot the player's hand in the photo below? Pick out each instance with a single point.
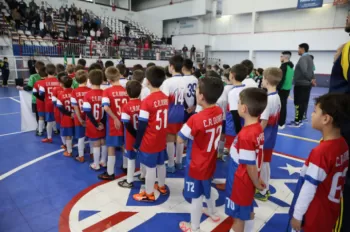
(191, 109)
(82, 122)
(295, 224)
(19, 87)
(313, 82)
(117, 124)
(261, 185)
(100, 126)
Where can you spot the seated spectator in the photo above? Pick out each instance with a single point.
(66, 13)
(71, 22)
(33, 6)
(22, 8)
(79, 25)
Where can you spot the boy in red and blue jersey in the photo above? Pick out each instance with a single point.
(130, 113)
(95, 119)
(269, 122)
(153, 124)
(40, 104)
(175, 89)
(245, 161)
(46, 90)
(202, 131)
(318, 196)
(77, 101)
(113, 100)
(65, 107)
(55, 93)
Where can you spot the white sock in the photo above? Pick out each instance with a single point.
(97, 153)
(104, 154)
(265, 175)
(49, 130)
(143, 170)
(231, 230)
(125, 162)
(150, 179)
(170, 148)
(69, 146)
(161, 171)
(131, 171)
(54, 126)
(249, 226)
(221, 146)
(110, 165)
(41, 125)
(179, 152)
(63, 140)
(211, 204)
(196, 212)
(81, 146)
(91, 144)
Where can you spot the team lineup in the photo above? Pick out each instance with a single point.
(153, 120)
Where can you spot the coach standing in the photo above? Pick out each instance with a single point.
(5, 70)
(303, 81)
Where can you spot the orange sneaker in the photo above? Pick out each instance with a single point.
(80, 159)
(64, 147)
(46, 140)
(163, 190)
(66, 154)
(143, 196)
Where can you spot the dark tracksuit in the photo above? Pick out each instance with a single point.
(284, 88)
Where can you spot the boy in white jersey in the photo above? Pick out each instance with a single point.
(190, 92)
(269, 122)
(139, 75)
(175, 88)
(248, 81)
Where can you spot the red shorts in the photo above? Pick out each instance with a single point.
(228, 141)
(267, 155)
(174, 128)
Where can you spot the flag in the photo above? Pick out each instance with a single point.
(340, 2)
(80, 56)
(65, 59)
(73, 59)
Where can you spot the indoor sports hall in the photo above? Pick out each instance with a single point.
(41, 190)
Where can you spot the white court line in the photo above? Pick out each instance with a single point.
(13, 133)
(14, 99)
(299, 137)
(10, 113)
(1, 98)
(289, 157)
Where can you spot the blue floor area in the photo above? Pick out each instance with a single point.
(34, 197)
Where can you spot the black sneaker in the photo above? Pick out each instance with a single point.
(294, 124)
(56, 132)
(141, 178)
(106, 176)
(125, 170)
(125, 184)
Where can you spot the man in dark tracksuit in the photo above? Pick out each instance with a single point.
(339, 83)
(303, 80)
(5, 70)
(285, 85)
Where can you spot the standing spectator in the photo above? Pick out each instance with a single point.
(184, 51)
(86, 17)
(16, 17)
(62, 11)
(193, 52)
(303, 80)
(31, 65)
(307, 106)
(22, 8)
(259, 77)
(43, 7)
(79, 25)
(66, 13)
(80, 13)
(127, 29)
(13, 4)
(33, 6)
(48, 20)
(5, 70)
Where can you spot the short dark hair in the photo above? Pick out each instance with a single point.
(155, 76)
(197, 74)
(60, 76)
(260, 70)
(79, 67)
(82, 62)
(305, 46)
(60, 68)
(96, 77)
(5, 58)
(273, 76)
(109, 63)
(70, 68)
(188, 64)
(67, 82)
(121, 68)
(42, 72)
(126, 73)
(240, 71)
(95, 66)
(137, 67)
(81, 76)
(211, 88)
(226, 66)
(212, 73)
(50, 69)
(150, 64)
(288, 53)
(39, 65)
(216, 67)
(249, 64)
(176, 61)
(226, 74)
(255, 99)
(336, 105)
(133, 88)
(138, 75)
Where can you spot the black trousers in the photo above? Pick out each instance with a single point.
(284, 94)
(301, 101)
(5, 78)
(345, 130)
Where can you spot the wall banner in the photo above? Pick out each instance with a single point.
(304, 4)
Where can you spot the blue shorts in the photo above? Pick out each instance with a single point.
(196, 188)
(79, 132)
(58, 126)
(131, 155)
(67, 131)
(236, 211)
(41, 114)
(223, 127)
(49, 117)
(151, 160)
(114, 141)
(94, 139)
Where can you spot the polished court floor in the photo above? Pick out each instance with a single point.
(43, 191)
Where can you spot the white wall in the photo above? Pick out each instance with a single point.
(139, 5)
(199, 41)
(123, 3)
(181, 26)
(229, 57)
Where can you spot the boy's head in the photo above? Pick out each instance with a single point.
(175, 64)
(187, 66)
(81, 76)
(285, 56)
(82, 62)
(95, 66)
(155, 76)
(209, 90)
(42, 72)
(5, 59)
(150, 64)
(137, 67)
(138, 75)
(96, 77)
(67, 82)
(60, 77)
(39, 65)
(272, 77)
(252, 102)
(79, 67)
(50, 69)
(303, 48)
(212, 73)
(238, 73)
(208, 67)
(332, 109)
(249, 65)
(133, 88)
(121, 68)
(112, 74)
(70, 69)
(109, 63)
(60, 68)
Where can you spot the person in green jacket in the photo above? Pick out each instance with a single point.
(32, 79)
(285, 85)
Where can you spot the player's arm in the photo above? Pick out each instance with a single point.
(264, 117)
(42, 91)
(88, 112)
(141, 128)
(37, 95)
(76, 109)
(107, 109)
(128, 125)
(233, 106)
(29, 86)
(62, 109)
(54, 98)
(186, 132)
(263, 123)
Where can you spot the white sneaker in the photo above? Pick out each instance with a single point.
(213, 217)
(94, 167)
(186, 227)
(281, 127)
